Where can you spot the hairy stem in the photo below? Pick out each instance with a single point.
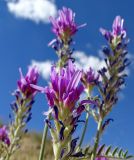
(97, 139)
(84, 129)
(15, 130)
(43, 143)
(86, 122)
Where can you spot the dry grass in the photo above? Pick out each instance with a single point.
(30, 147)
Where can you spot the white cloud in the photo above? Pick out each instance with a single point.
(35, 10)
(100, 53)
(44, 68)
(83, 61)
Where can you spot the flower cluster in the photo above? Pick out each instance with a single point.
(63, 94)
(117, 33)
(24, 82)
(64, 26)
(65, 89)
(113, 76)
(22, 107)
(90, 79)
(4, 135)
(101, 158)
(4, 141)
(25, 93)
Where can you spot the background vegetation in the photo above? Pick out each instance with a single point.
(30, 146)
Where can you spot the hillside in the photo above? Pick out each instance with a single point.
(30, 147)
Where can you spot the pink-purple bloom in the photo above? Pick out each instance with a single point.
(64, 26)
(25, 81)
(101, 158)
(90, 78)
(116, 62)
(4, 135)
(117, 30)
(65, 88)
(22, 106)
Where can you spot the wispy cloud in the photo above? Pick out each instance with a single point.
(35, 10)
(44, 68)
(83, 61)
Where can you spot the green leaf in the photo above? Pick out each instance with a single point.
(101, 149)
(115, 151)
(125, 154)
(128, 157)
(120, 153)
(86, 150)
(108, 150)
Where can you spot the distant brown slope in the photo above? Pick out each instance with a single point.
(30, 148)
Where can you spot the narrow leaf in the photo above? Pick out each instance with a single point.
(101, 149)
(128, 157)
(120, 153)
(108, 150)
(86, 150)
(125, 154)
(115, 151)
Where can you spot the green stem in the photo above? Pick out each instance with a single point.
(97, 139)
(15, 130)
(84, 129)
(86, 122)
(8, 156)
(41, 155)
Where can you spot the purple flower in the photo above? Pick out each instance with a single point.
(4, 135)
(64, 26)
(107, 34)
(101, 158)
(30, 78)
(118, 30)
(65, 88)
(114, 74)
(22, 106)
(90, 78)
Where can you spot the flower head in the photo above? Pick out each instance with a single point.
(64, 26)
(30, 78)
(101, 158)
(65, 88)
(90, 78)
(114, 74)
(118, 28)
(118, 32)
(22, 106)
(4, 135)
(63, 93)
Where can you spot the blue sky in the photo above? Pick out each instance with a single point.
(25, 39)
